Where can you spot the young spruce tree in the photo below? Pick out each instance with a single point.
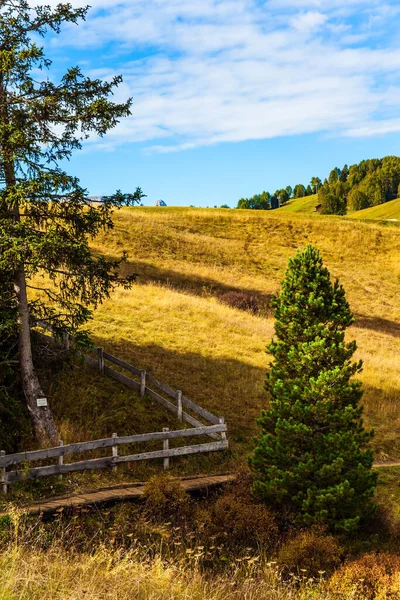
(311, 456)
(45, 218)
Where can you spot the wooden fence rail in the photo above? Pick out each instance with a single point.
(60, 468)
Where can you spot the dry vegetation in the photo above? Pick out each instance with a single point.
(199, 318)
(174, 548)
(176, 323)
(51, 575)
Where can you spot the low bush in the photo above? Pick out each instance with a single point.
(165, 499)
(311, 553)
(371, 577)
(241, 519)
(241, 300)
(246, 524)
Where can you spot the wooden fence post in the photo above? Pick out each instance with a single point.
(142, 383)
(166, 447)
(179, 399)
(100, 359)
(60, 459)
(114, 453)
(223, 434)
(65, 340)
(3, 475)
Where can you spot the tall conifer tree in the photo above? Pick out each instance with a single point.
(45, 218)
(311, 455)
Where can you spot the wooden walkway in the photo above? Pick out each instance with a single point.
(121, 493)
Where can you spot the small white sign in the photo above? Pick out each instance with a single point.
(41, 402)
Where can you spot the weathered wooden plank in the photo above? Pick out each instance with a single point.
(161, 386)
(182, 451)
(13, 459)
(164, 435)
(166, 403)
(94, 463)
(135, 385)
(199, 410)
(192, 421)
(171, 407)
(121, 363)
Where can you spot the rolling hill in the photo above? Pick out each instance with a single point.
(383, 212)
(181, 320)
(301, 205)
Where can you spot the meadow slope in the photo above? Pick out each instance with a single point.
(387, 211)
(174, 321)
(301, 205)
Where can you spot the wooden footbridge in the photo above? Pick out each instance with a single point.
(120, 493)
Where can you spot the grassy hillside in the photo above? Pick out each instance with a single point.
(382, 212)
(301, 205)
(178, 323)
(175, 323)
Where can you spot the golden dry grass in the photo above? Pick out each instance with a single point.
(57, 575)
(173, 323)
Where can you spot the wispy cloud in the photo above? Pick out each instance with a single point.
(214, 71)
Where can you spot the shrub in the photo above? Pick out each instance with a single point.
(371, 577)
(165, 499)
(312, 551)
(241, 300)
(243, 521)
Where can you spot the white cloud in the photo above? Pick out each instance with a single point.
(222, 70)
(308, 21)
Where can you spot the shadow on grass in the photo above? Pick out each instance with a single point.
(90, 406)
(226, 387)
(205, 286)
(378, 324)
(195, 284)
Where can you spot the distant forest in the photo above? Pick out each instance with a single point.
(267, 201)
(369, 183)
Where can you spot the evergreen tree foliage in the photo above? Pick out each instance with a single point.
(310, 457)
(369, 183)
(45, 218)
(299, 191)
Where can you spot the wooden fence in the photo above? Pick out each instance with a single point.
(9, 460)
(216, 430)
(145, 380)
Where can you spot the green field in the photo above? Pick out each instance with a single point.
(382, 212)
(301, 205)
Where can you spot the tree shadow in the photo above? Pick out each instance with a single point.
(378, 324)
(226, 387)
(235, 390)
(200, 286)
(205, 286)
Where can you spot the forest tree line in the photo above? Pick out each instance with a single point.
(368, 183)
(267, 201)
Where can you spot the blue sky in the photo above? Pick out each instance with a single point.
(234, 97)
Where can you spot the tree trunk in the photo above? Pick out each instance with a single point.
(43, 423)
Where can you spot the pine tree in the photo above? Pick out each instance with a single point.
(311, 456)
(45, 218)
